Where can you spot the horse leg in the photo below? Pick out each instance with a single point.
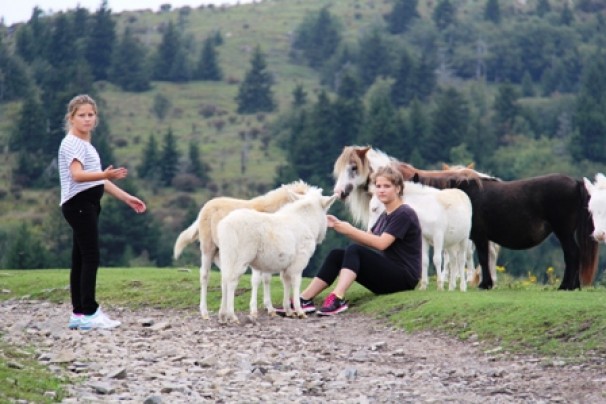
(458, 269)
(438, 247)
(447, 265)
(266, 277)
(424, 263)
(296, 290)
(572, 260)
(208, 254)
(482, 249)
(286, 285)
(229, 283)
(493, 251)
(255, 279)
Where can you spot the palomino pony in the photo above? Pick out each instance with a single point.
(205, 229)
(516, 214)
(280, 242)
(445, 219)
(597, 206)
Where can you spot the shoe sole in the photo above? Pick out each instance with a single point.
(332, 313)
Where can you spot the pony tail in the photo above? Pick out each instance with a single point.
(587, 245)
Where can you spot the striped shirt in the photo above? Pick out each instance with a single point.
(73, 148)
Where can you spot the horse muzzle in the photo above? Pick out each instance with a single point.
(343, 194)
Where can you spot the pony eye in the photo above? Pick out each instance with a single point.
(354, 168)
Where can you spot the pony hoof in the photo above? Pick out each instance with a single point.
(272, 313)
(301, 315)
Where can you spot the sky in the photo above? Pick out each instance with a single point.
(14, 11)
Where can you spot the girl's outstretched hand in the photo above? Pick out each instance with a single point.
(112, 173)
(137, 204)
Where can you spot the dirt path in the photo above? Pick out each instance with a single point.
(349, 358)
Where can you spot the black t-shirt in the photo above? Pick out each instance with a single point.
(403, 224)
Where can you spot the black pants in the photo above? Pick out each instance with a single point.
(82, 214)
(374, 271)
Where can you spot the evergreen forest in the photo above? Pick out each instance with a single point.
(234, 101)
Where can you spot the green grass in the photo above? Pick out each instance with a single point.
(516, 316)
(23, 378)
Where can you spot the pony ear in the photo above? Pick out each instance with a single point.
(295, 196)
(588, 185)
(600, 178)
(362, 152)
(327, 201)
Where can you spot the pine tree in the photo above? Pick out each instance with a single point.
(506, 109)
(128, 69)
(374, 58)
(543, 7)
(25, 250)
(349, 111)
(401, 16)
(419, 129)
(299, 96)
(14, 79)
(61, 46)
(32, 39)
(255, 94)
(312, 141)
(167, 53)
(31, 126)
(403, 89)
(208, 65)
(567, 16)
(424, 79)
(101, 42)
(590, 117)
(80, 19)
(125, 235)
(150, 160)
(198, 167)
(318, 37)
(169, 158)
(492, 11)
(383, 127)
(444, 15)
(449, 125)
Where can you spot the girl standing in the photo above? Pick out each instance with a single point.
(83, 183)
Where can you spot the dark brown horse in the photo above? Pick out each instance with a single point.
(514, 214)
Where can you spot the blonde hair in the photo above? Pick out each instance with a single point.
(73, 106)
(392, 174)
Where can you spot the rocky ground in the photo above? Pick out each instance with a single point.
(168, 356)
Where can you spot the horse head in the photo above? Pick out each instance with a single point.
(351, 170)
(597, 205)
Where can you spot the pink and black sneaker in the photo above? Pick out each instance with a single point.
(332, 305)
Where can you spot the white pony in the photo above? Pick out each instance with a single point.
(597, 206)
(445, 219)
(205, 229)
(280, 242)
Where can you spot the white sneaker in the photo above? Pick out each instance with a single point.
(98, 320)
